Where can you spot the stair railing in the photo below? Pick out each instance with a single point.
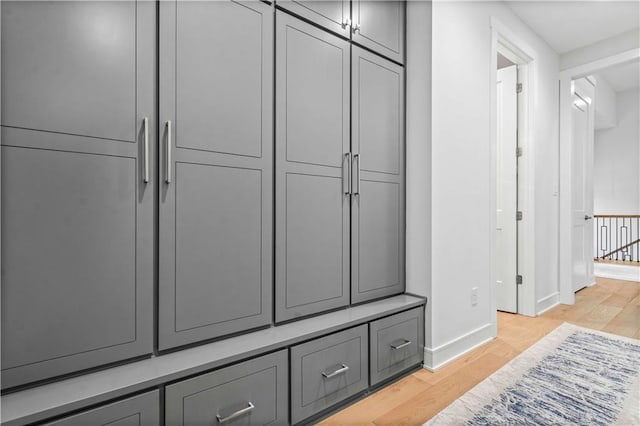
(617, 237)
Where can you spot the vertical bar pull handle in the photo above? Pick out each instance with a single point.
(356, 159)
(168, 156)
(346, 175)
(145, 123)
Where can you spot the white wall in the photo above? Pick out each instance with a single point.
(616, 183)
(605, 104)
(461, 172)
(608, 47)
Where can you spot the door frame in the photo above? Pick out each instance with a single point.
(505, 41)
(565, 284)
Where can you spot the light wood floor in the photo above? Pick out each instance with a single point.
(610, 305)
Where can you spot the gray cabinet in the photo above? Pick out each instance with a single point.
(249, 393)
(328, 370)
(312, 146)
(77, 207)
(397, 343)
(334, 15)
(141, 410)
(216, 166)
(380, 26)
(377, 221)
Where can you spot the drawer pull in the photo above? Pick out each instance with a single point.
(396, 346)
(237, 414)
(337, 372)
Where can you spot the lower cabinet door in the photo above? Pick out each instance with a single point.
(253, 392)
(327, 371)
(141, 410)
(397, 343)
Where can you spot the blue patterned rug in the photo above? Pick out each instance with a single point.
(573, 376)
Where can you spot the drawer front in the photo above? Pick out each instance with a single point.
(328, 370)
(141, 410)
(397, 343)
(253, 392)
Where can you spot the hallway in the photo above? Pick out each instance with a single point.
(611, 305)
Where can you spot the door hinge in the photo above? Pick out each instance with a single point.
(518, 279)
(518, 215)
(518, 152)
(519, 88)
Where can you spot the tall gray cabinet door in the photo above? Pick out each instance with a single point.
(78, 98)
(380, 26)
(216, 169)
(334, 15)
(377, 221)
(312, 145)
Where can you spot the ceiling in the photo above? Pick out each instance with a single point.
(568, 25)
(622, 77)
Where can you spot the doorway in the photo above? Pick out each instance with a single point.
(507, 151)
(572, 178)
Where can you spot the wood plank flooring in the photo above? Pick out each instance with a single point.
(610, 305)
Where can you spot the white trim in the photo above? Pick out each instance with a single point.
(444, 354)
(565, 266)
(505, 41)
(617, 272)
(548, 303)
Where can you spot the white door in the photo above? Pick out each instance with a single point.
(582, 188)
(507, 193)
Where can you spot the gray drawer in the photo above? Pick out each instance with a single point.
(253, 392)
(328, 370)
(397, 343)
(141, 410)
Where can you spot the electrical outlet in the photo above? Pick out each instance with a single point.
(474, 296)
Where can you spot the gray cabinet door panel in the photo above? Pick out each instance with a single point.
(255, 391)
(377, 221)
(312, 137)
(378, 244)
(380, 27)
(330, 14)
(215, 233)
(71, 67)
(141, 410)
(397, 343)
(328, 370)
(77, 217)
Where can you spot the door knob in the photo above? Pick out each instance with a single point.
(587, 217)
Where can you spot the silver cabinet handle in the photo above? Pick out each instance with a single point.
(395, 347)
(145, 124)
(335, 373)
(346, 23)
(168, 156)
(586, 217)
(356, 27)
(237, 414)
(346, 176)
(356, 158)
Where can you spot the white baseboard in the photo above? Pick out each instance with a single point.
(444, 354)
(546, 303)
(616, 272)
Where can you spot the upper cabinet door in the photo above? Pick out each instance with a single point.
(377, 219)
(333, 15)
(78, 192)
(312, 146)
(216, 169)
(380, 26)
